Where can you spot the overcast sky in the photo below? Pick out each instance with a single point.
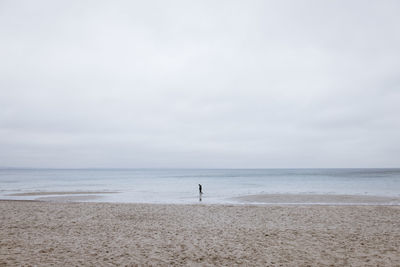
(219, 84)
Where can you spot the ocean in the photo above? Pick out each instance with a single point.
(181, 185)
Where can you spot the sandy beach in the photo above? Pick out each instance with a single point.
(56, 233)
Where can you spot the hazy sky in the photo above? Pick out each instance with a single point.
(200, 84)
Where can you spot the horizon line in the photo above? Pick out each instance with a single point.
(184, 168)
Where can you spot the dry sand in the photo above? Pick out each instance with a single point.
(65, 234)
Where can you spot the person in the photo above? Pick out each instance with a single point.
(200, 191)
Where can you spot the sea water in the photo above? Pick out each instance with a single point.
(181, 185)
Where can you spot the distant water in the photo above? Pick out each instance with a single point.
(181, 185)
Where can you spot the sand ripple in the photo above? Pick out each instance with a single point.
(70, 234)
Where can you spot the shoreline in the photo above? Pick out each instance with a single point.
(318, 199)
(47, 193)
(255, 199)
(84, 200)
(228, 204)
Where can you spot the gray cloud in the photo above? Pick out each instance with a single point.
(199, 83)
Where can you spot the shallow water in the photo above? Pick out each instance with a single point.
(181, 185)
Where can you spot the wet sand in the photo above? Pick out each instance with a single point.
(318, 199)
(42, 193)
(70, 198)
(53, 233)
